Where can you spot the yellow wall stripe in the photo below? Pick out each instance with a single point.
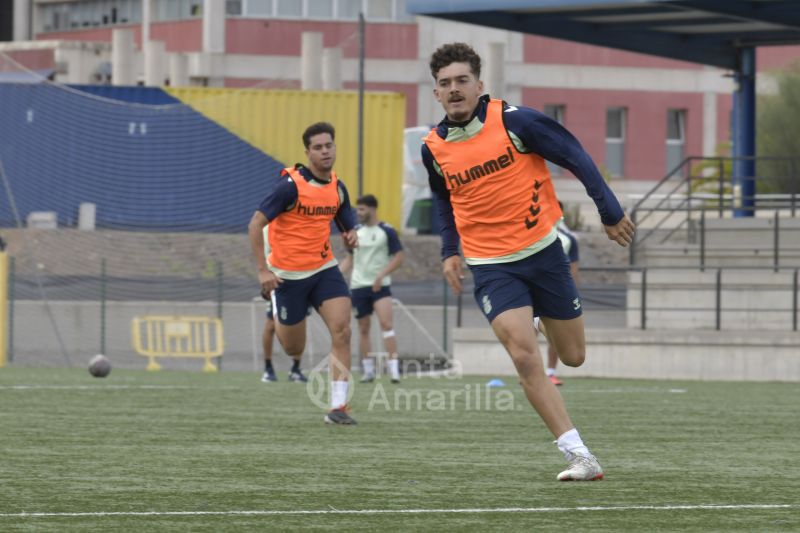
(273, 121)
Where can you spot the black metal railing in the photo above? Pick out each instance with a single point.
(605, 291)
(701, 185)
(721, 286)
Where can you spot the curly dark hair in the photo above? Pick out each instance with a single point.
(455, 53)
(316, 129)
(368, 200)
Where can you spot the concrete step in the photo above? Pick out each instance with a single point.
(747, 299)
(724, 231)
(730, 255)
(717, 262)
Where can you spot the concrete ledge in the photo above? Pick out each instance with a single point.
(651, 354)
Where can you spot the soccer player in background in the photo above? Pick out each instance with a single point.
(487, 170)
(569, 241)
(268, 335)
(301, 268)
(379, 253)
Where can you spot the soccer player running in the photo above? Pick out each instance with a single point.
(379, 253)
(301, 268)
(268, 335)
(487, 171)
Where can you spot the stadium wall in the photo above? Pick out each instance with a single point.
(652, 354)
(79, 328)
(160, 168)
(274, 121)
(253, 132)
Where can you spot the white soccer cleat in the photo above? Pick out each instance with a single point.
(582, 468)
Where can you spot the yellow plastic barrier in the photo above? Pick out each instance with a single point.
(178, 336)
(3, 309)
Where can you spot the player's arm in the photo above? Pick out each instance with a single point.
(345, 219)
(347, 263)
(282, 197)
(393, 264)
(546, 137)
(395, 251)
(451, 260)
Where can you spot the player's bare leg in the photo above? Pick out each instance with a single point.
(365, 348)
(267, 337)
(552, 354)
(336, 315)
(292, 338)
(552, 361)
(568, 339)
(383, 308)
(514, 330)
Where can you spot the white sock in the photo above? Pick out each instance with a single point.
(369, 366)
(394, 368)
(536, 324)
(550, 371)
(570, 443)
(338, 394)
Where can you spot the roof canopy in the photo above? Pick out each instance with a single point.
(711, 32)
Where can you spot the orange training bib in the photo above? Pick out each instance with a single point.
(503, 201)
(300, 239)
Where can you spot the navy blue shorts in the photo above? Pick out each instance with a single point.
(364, 299)
(294, 296)
(271, 315)
(542, 281)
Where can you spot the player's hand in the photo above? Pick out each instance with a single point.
(376, 287)
(453, 272)
(269, 282)
(350, 239)
(621, 232)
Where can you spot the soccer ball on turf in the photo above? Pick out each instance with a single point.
(99, 366)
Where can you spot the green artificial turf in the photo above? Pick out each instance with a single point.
(191, 442)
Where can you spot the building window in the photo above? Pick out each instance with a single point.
(320, 9)
(173, 10)
(556, 112)
(290, 8)
(675, 125)
(60, 16)
(348, 9)
(615, 141)
(123, 11)
(379, 10)
(134, 11)
(400, 13)
(676, 138)
(260, 8)
(233, 7)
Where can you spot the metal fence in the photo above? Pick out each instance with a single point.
(745, 298)
(703, 188)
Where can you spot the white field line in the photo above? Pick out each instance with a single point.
(91, 387)
(636, 390)
(332, 511)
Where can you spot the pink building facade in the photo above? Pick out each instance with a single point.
(635, 114)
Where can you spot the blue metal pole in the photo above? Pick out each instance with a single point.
(744, 138)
